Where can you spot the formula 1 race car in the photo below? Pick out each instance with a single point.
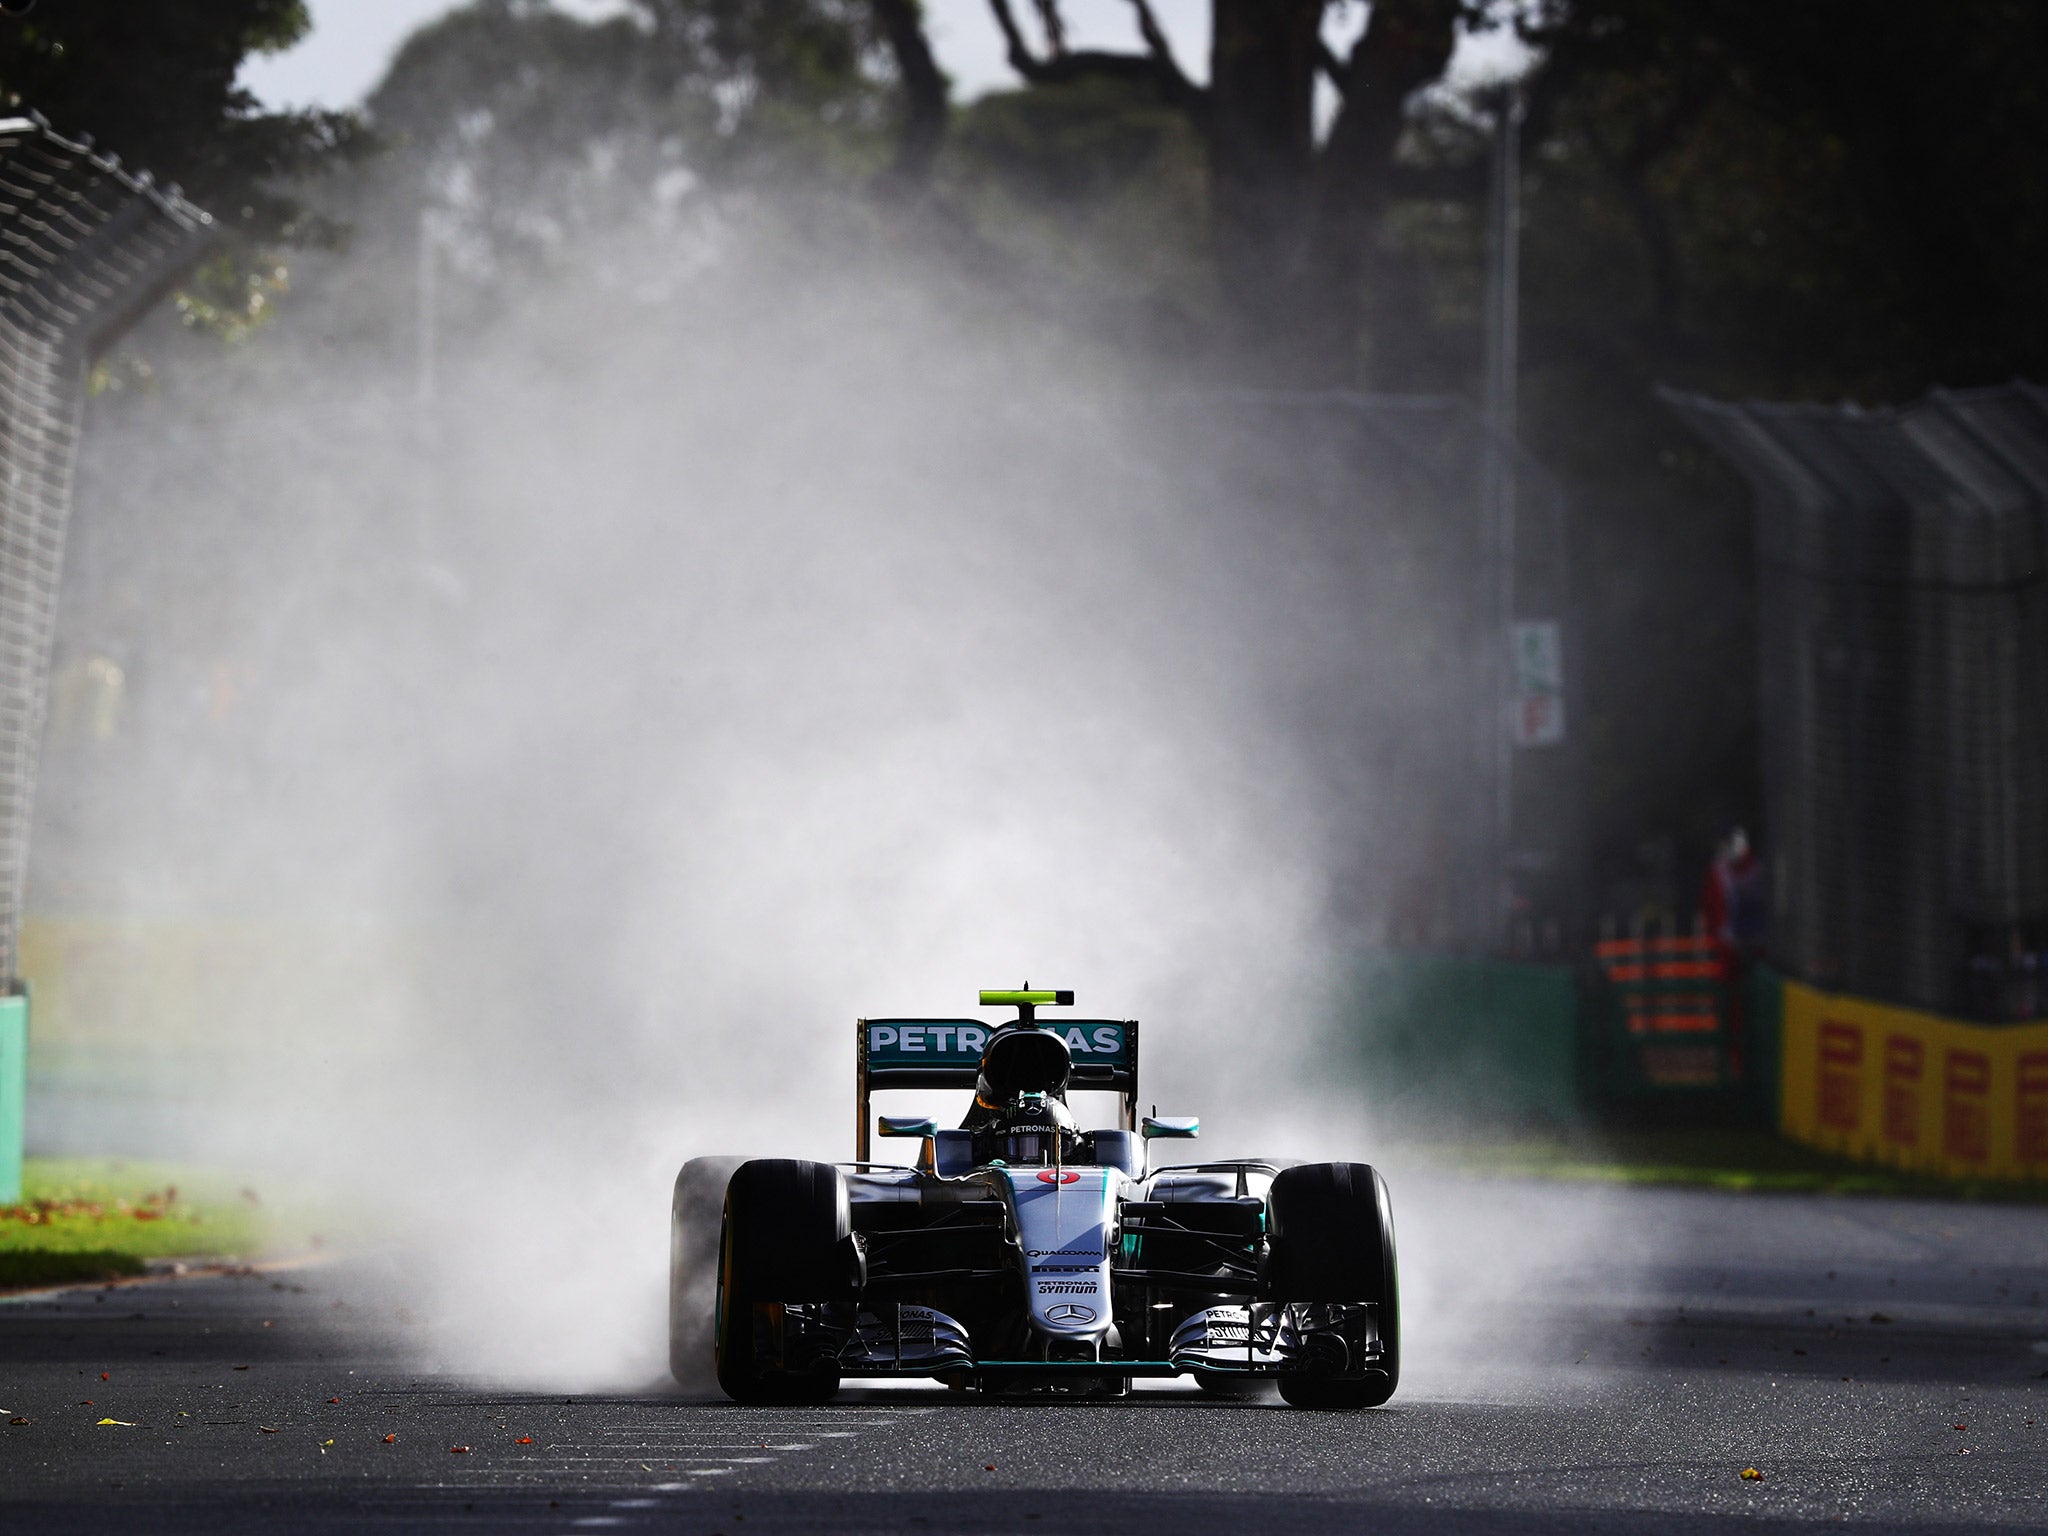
(1024, 1255)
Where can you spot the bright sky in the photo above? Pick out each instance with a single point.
(353, 40)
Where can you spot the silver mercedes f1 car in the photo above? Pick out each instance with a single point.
(1023, 1255)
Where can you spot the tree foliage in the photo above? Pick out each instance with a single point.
(1297, 219)
(510, 119)
(1277, 256)
(1832, 197)
(1098, 180)
(820, 60)
(155, 84)
(521, 127)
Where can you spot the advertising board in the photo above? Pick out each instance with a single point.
(1914, 1090)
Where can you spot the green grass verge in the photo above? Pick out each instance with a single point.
(83, 1219)
(1732, 1158)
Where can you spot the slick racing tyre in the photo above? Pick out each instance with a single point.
(695, 1212)
(1333, 1240)
(786, 1238)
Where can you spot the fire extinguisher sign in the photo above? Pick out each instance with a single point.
(1536, 711)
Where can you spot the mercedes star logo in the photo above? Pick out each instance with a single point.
(1070, 1312)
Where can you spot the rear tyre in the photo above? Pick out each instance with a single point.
(696, 1211)
(1333, 1240)
(786, 1238)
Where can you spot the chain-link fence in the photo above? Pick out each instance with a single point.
(85, 247)
(1904, 649)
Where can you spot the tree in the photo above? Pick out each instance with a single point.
(924, 93)
(1844, 196)
(795, 81)
(1098, 184)
(522, 128)
(746, 91)
(511, 120)
(155, 84)
(1297, 227)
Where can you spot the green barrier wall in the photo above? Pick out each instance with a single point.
(13, 1093)
(1764, 1054)
(1448, 1039)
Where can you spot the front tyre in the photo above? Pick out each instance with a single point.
(1333, 1240)
(786, 1238)
(696, 1211)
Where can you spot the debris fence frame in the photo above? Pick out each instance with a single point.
(1903, 646)
(86, 247)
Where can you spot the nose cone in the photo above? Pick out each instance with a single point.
(1068, 1319)
(1063, 1220)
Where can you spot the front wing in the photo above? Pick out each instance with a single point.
(1329, 1339)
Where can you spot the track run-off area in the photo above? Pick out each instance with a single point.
(1578, 1359)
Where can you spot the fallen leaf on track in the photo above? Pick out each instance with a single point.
(267, 1429)
(20, 1419)
(524, 1440)
(334, 1399)
(1751, 1475)
(391, 1439)
(122, 1423)
(458, 1450)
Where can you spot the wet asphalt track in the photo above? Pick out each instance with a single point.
(1836, 1345)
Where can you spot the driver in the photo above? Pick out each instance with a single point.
(1020, 1112)
(1036, 1129)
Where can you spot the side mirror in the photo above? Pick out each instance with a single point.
(1184, 1127)
(908, 1125)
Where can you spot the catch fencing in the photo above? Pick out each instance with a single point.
(1903, 637)
(85, 248)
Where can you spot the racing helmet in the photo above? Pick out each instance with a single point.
(1035, 1128)
(1022, 1059)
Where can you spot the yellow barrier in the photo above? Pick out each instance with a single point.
(1915, 1090)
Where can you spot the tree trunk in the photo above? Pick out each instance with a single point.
(924, 97)
(1262, 170)
(1366, 291)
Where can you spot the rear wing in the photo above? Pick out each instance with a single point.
(946, 1053)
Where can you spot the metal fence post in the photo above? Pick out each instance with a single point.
(13, 1093)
